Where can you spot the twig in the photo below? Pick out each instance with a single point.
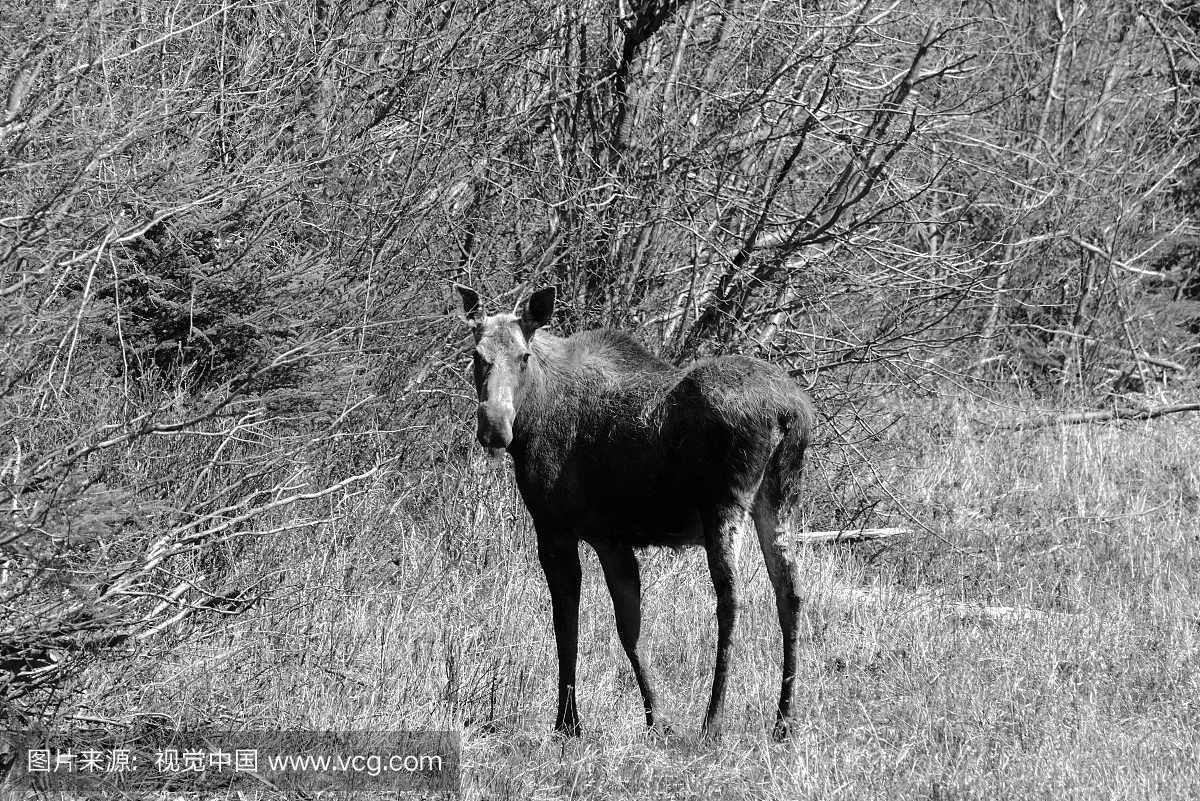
(851, 535)
(1096, 249)
(1164, 363)
(1096, 416)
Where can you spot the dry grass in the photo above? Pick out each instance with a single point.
(424, 607)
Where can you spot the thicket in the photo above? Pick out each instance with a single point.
(228, 231)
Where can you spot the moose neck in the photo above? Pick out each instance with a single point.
(544, 379)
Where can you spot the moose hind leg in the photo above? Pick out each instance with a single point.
(560, 561)
(780, 558)
(625, 586)
(721, 527)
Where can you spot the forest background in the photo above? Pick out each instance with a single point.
(236, 459)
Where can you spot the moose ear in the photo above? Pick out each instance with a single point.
(538, 311)
(472, 308)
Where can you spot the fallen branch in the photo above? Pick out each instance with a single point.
(852, 535)
(1097, 416)
(930, 604)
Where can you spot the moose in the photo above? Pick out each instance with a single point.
(620, 449)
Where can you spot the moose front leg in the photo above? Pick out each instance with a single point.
(559, 556)
(625, 586)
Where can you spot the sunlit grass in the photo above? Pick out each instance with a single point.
(431, 612)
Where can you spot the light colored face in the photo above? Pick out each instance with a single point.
(500, 359)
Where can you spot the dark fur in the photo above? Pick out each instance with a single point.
(616, 447)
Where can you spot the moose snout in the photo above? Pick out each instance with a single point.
(495, 427)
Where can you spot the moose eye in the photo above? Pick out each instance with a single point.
(524, 360)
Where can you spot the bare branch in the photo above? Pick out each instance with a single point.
(1097, 416)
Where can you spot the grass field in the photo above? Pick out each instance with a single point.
(423, 606)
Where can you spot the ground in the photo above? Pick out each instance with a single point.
(421, 605)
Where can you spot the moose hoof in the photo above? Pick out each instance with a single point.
(572, 729)
(662, 728)
(783, 729)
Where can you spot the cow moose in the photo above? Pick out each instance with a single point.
(620, 449)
